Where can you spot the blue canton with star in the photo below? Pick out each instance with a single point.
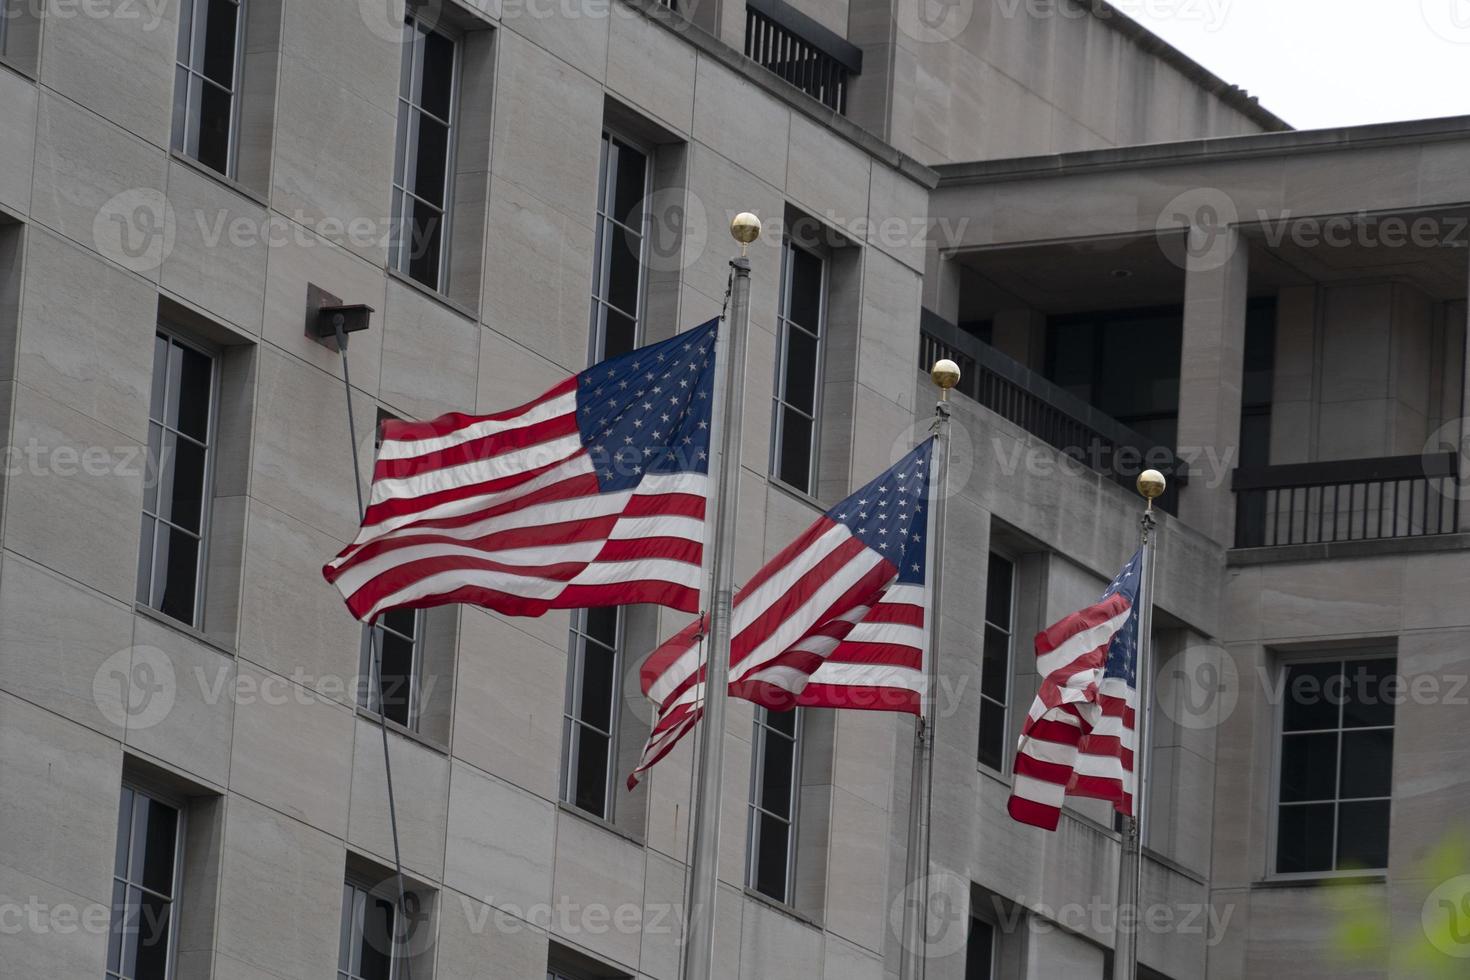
(1123, 650)
(649, 410)
(891, 514)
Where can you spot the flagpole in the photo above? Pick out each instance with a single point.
(699, 940)
(946, 374)
(1130, 865)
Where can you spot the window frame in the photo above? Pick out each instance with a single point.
(1006, 759)
(1284, 664)
(778, 389)
(763, 730)
(177, 883)
(578, 637)
(232, 152)
(401, 262)
(415, 679)
(361, 884)
(993, 968)
(172, 334)
(601, 266)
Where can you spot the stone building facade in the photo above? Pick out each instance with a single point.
(1118, 246)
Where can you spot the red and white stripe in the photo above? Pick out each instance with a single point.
(824, 623)
(1078, 738)
(504, 511)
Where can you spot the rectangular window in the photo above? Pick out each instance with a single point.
(618, 272)
(1336, 766)
(422, 168)
(399, 635)
(995, 664)
(207, 82)
(368, 948)
(980, 950)
(591, 712)
(145, 881)
(798, 367)
(176, 489)
(775, 778)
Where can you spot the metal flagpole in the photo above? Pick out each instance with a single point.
(1130, 865)
(699, 939)
(946, 375)
(377, 661)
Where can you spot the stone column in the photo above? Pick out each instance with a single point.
(1210, 366)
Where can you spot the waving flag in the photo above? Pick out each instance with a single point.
(591, 495)
(836, 620)
(1078, 738)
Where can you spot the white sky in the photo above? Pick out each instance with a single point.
(1322, 63)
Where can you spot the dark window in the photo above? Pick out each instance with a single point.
(618, 264)
(399, 636)
(145, 880)
(980, 950)
(590, 716)
(422, 167)
(798, 368)
(207, 81)
(773, 793)
(1336, 766)
(176, 486)
(995, 665)
(368, 949)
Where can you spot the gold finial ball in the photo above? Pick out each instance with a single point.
(946, 373)
(746, 228)
(1151, 483)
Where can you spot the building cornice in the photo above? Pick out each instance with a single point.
(1215, 150)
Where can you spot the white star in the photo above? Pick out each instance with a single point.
(637, 423)
(703, 424)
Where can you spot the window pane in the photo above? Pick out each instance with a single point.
(153, 934)
(404, 622)
(154, 828)
(1308, 767)
(160, 377)
(777, 761)
(793, 467)
(1304, 838)
(218, 62)
(591, 780)
(1312, 696)
(992, 735)
(213, 149)
(619, 333)
(995, 664)
(397, 693)
(782, 721)
(628, 184)
(998, 592)
(1371, 690)
(377, 940)
(979, 951)
(175, 567)
(1367, 763)
(117, 926)
(344, 943)
(152, 474)
(1362, 835)
(770, 860)
(624, 269)
(124, 834)
(602, 625)
(806, 289)
(186, 30)
(145, 562)
(181, 490)
(438, 74)
(801, 370)
(597, 687)
(425, 227)
(431, 153)
(128, 924)
(189, 380)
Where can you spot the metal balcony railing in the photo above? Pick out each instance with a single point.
(1020, 395)
(1347, 500)
(788, 43)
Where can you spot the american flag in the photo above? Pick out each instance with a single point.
(836, 620)
(1078, 738)
(591, 495)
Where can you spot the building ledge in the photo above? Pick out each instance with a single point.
(1333, 550)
